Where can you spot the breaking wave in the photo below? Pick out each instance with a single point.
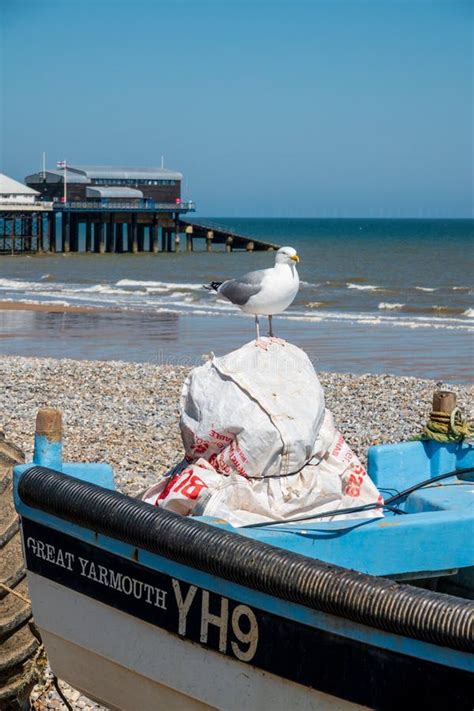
(100, 289)
(17, 284)
(363, 287)
(389, 306)
(310, 284)
(43, 302)
(166, 285)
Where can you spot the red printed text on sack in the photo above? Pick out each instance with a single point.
(199, 446)
(338, 446)
(191, 486)
(220, 436)
(355, 481)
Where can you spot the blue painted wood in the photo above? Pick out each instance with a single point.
(100, 474)
(403, 464)
(47, 453)
(395, 545)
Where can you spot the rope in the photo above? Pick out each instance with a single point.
(14, 592)
(54, 682)
(60, 693)
(445, 427)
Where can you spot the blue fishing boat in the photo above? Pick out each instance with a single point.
(140, 608)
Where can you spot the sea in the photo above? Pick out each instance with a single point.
(376, 296)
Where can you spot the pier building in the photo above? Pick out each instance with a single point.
(13, 193)
(89, 182)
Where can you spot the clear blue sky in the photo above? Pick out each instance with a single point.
(323, 108)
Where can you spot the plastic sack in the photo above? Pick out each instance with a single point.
(260, 444)
(253, 412)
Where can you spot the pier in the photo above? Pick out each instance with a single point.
(214, 233)
(115, 229)
(108, 210)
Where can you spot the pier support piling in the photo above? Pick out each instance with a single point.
(88, 245)
(52, 232)
(72, 221)
(44, 219)
(99, 242)
(74, 229)
(39, 232)
(29, 232)
(189, 238)
(109, 245)
(13, 235)
(96, 238)
(119, 237)
(209, 238)
(102, 236)
(132, 245)
(154, 236)
(177, 239)
(140, 237)
(65, 227)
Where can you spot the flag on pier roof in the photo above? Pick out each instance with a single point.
(61, 164)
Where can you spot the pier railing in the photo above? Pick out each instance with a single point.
(151, 205)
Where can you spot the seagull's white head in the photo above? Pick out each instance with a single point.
(286, 255)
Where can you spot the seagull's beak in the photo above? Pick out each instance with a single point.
(295, 258)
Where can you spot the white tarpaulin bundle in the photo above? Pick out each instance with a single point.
(259, 443)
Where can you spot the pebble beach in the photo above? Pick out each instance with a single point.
(127, 414)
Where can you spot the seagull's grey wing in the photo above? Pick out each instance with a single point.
(239, 291)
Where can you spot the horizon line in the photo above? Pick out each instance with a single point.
(334, 217)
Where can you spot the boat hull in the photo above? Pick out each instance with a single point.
(151, 668)
(135, 630)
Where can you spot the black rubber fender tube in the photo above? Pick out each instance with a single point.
(376, 602)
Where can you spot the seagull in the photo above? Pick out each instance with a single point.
(265, 292)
